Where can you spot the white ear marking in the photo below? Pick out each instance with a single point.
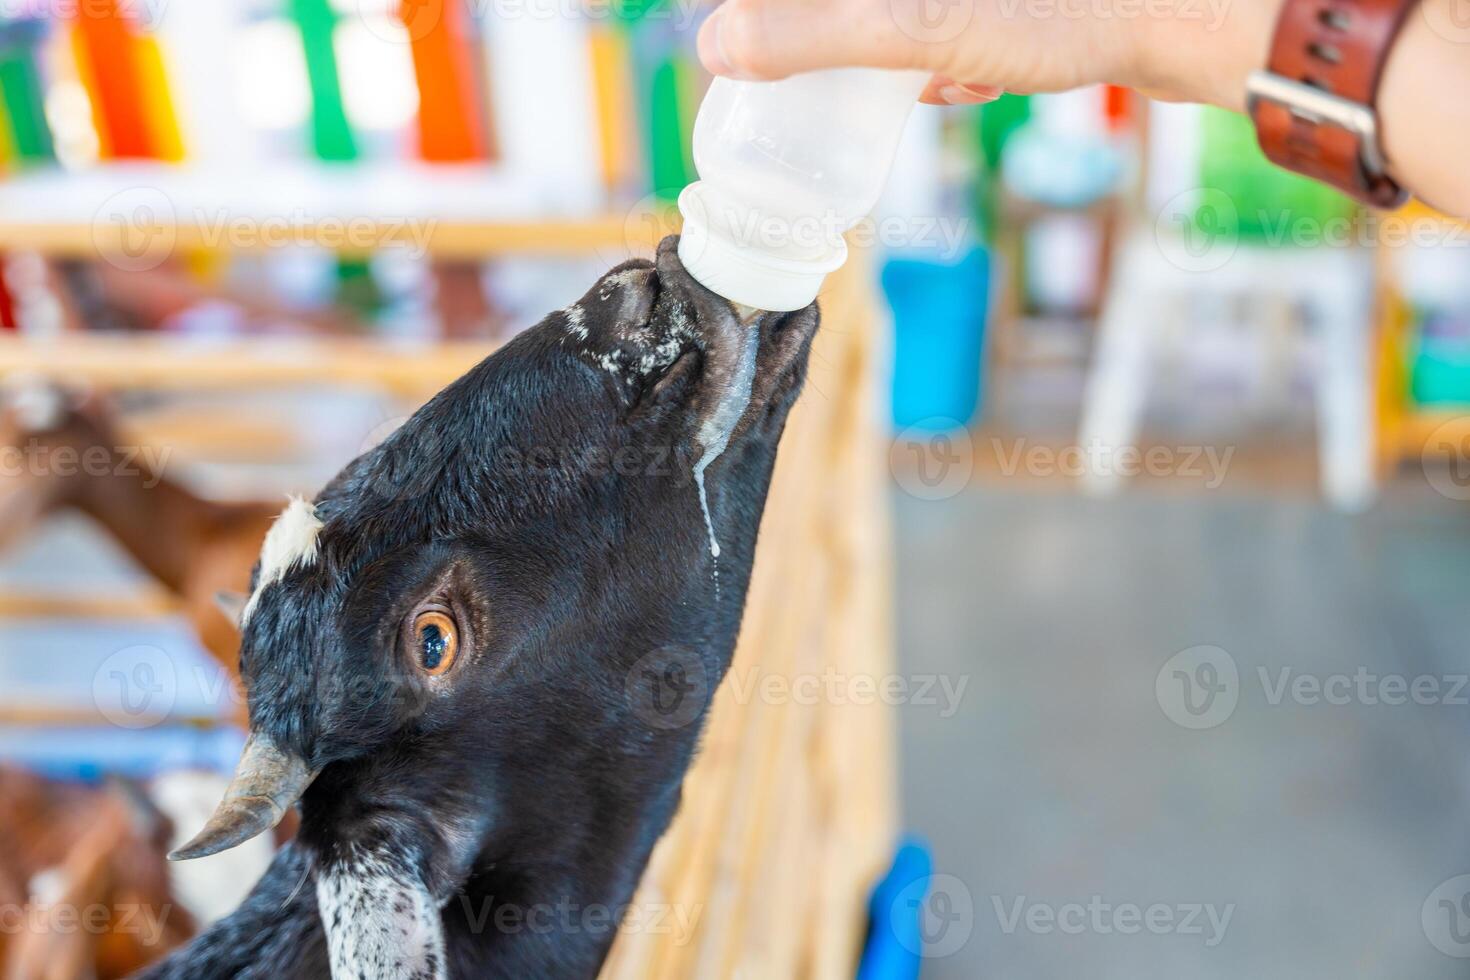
(291, 541)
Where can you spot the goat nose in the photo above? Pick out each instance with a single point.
(266, 783)
(618, 306)
(708, 304)
(720, 328)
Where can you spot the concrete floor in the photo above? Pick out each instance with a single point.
(1079, 832)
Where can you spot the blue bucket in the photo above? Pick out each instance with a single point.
(938, 328)
(895, 943)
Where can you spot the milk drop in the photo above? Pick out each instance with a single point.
(714, 431)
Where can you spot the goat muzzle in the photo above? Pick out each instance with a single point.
(266, 783)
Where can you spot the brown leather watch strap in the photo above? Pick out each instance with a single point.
(1334, 51)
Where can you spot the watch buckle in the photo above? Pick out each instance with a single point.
(1317, 106)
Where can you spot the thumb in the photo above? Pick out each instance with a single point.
(767, 39)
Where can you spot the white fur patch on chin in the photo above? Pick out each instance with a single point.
(379, 926)
(290, 541)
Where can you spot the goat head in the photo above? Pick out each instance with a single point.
(481, 658)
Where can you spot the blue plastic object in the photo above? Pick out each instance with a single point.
(895, 942)
(88, 754)
(139, 677)
(939, 328)
(1060, 170)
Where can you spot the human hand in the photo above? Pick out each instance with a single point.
(1197, 50)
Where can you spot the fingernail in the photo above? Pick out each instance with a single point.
(957, 94)
(712, 47)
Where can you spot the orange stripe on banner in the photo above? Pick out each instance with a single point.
(107, 51)
(88, 78)
(163, 121)
(612, 91)
(450, 127)
(1117, 102)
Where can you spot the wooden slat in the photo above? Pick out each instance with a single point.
(1444, 426)
(217, 432)
(605, 234)
(161, 362)
(854, 759)
(789, 812)
(144, 604)
(57, 716)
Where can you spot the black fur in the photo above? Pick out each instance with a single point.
(547, 498)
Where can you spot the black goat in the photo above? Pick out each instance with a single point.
(467, 658)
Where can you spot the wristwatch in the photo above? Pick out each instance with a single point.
(1315, 104)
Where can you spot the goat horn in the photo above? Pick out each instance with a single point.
(266, 782)
(231, 605)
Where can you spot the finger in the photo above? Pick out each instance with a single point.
(945, 91)
(765, 39)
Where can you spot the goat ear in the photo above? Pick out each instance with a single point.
(231, 605)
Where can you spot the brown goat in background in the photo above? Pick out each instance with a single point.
(84, 884)
(195, 548)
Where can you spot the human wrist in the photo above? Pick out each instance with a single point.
(1203, 52)
(1425, 150)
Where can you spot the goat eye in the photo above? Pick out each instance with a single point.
(436, 641)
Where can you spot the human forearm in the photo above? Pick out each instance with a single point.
(1423, 99)
(1424, 105)
(1182, 50)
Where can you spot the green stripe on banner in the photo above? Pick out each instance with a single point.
(994, 122)
(666, 136)
(332, 138)
(688, 75)
(20, 86)
(330, 132)
(357, 290)
(632, 11)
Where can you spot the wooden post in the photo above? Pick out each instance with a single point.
(789, 812)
